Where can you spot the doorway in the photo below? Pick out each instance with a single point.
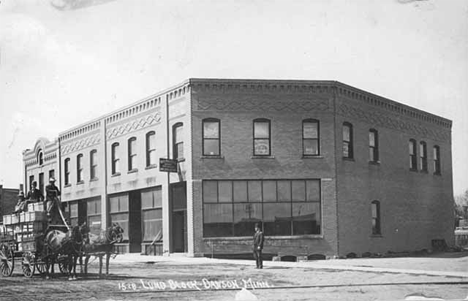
(179, 217)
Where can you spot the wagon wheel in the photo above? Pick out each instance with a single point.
(7, 260)
(28, 264)
(41, 266)
(63, 265)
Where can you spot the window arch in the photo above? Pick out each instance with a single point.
(67, 171)
(79, 168)
(436, 160)
(310, 137)
(40, 157)
(93, 164)
(373, 145)
(423, 156)
(348, 151)
(132, 154)
(261, 137)
(211, 135)
(115, 158)
(150, 149)
(178, 141)
(375, 208)
(413, 163)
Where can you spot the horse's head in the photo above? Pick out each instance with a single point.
(76, 235)
(115, 233)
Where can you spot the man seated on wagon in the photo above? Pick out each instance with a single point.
(34, 195)
(22, 203)
(53, 201)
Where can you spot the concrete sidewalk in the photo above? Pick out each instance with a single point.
(407, 265)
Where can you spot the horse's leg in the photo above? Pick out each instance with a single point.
(75, 258)
(86, 264)
(107, 263)
(100, 265)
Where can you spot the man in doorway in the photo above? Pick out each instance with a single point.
(34, 195)
(53, 201)
(258, 246)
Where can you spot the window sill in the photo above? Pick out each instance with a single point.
(80, 183)
(374, 162)
(117, 174)
(413, 170)
(180, 160)
(67, 185)
(348, 159)
(133, 170)
(151, 166)
(437, 174)
(312, 157)
(295, 237)
(93, 179)
(262, 157)
(212, 157)
(376, 236)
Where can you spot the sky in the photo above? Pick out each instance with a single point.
(64, 62)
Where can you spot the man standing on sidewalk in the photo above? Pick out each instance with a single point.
(258, 246)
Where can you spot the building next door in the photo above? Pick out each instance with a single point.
(179, 217)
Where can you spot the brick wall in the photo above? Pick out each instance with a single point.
(415, 206)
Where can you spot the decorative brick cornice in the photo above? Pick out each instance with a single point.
(133, 125)
(252, 105)
(315, 87)
(79, 144)
(385, 119)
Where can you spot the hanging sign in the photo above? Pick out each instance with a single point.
(167, 165)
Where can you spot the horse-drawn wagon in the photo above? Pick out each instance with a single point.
(21, 241)
(28, 239)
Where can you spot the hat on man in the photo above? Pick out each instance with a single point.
(51, 179)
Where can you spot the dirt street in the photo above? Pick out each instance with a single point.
(135, 277)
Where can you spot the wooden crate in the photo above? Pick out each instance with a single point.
(7, 219)
(38, 206)
(14, 218)
(36, 216)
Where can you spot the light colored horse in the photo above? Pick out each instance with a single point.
(57, 243)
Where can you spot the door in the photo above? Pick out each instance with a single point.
(179, 217)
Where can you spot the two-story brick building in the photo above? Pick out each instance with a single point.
(324, 167)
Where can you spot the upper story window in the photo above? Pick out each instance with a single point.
(178, 142)
(310, 137)
(115, 158)
(413, 163)
(261, 137)
(93, 164)
(348, 140)
(79, 168)
(423, 156)
(373, 145)
(376, 218)
(51, 173)
(67, 171)
(437, 160)
(211, 137)
(150, 148)
(40, 157)
(132, 154)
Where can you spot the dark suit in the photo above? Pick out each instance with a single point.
(258, 247)
(53, 203)
(35, 195)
